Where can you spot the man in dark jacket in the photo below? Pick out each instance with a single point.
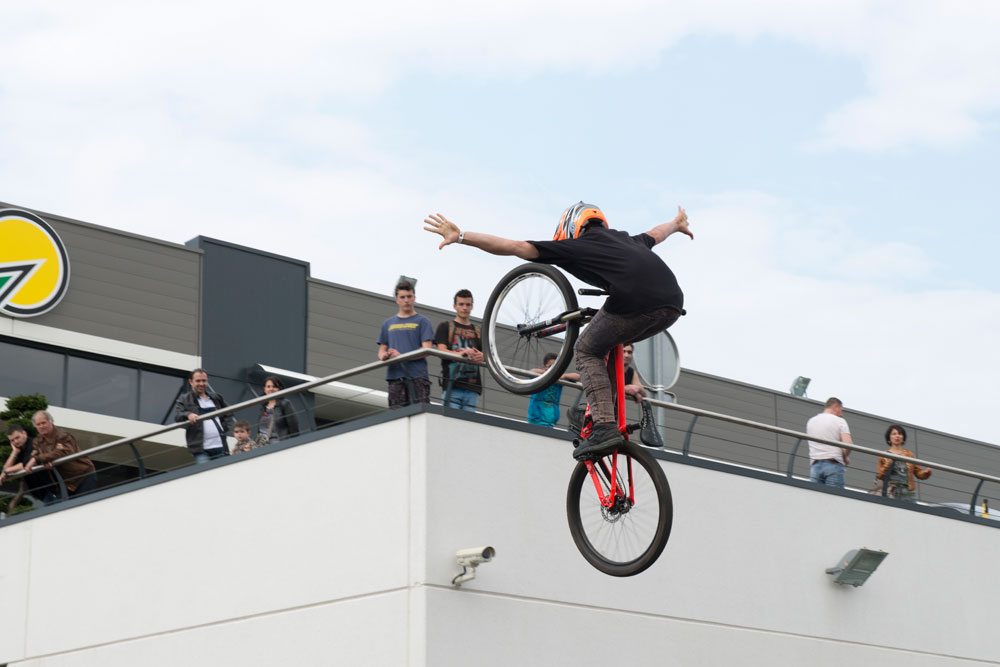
(206, 440)
(22, 447)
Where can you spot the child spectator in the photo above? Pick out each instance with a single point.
(241, 430)
(543, 407)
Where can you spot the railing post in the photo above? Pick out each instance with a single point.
(687, 438)
(63, 491)
(138, 460)
(791, 458)
(975, 497)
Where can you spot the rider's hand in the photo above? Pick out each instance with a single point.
(682, 222)
(439, 224)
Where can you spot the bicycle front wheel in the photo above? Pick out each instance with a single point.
(514, 339)
(625, 538)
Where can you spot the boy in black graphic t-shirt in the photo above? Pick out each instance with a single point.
(462, 382)
(644, 296)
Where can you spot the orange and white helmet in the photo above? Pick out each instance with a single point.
(575, 218)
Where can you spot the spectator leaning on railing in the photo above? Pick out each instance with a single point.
(53, 443)
(205, 440)
(406, 331)
(901, 473)
(543, 407)
(462, 382)
(633, 386)
(22, 446)
(277, 420)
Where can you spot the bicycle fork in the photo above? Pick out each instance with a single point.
(615, 492)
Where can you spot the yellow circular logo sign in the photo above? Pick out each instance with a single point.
(34, 266)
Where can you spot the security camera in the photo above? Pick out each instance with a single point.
(473, 557)
(469, 559)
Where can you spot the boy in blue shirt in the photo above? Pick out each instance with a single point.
(404, 332)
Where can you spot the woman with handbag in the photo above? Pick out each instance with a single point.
(277, 417)
(898, 476)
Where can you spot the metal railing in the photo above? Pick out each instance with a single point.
(685, 449)
(800, 437)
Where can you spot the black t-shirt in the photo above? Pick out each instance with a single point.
(625, 266)
(466, 376)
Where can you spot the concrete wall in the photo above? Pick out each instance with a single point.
(341, 551)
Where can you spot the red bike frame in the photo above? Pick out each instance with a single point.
(615, 359)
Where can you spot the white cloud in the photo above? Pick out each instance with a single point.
(230, 120)
(933, 69)
(903, 353)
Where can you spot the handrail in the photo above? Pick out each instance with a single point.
(375, 365)
(699, 412)
(443, 354)
(796, 434)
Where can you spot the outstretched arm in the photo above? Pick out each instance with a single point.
(494, 245)
(678, 224)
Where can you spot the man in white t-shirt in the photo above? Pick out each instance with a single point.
(827, 461)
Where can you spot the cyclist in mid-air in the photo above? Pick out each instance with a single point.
(644, 296)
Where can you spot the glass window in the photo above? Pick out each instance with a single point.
(157, 393)
(26, 370)
(107, 389)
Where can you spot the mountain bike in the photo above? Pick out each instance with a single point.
(621, 521)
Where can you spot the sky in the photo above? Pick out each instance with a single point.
(837, 159)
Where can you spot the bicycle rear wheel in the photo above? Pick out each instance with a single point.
(528, 296)
(628, 537)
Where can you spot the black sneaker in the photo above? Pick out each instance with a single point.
(603, 438)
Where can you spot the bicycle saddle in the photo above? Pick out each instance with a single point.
(649, 435)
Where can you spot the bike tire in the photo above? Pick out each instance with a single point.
(623, 543)
(529, 294)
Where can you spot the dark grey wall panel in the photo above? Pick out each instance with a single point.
(254, 309)
(128, 288)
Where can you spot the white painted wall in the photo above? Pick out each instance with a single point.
(742, 580)
(342, 552)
